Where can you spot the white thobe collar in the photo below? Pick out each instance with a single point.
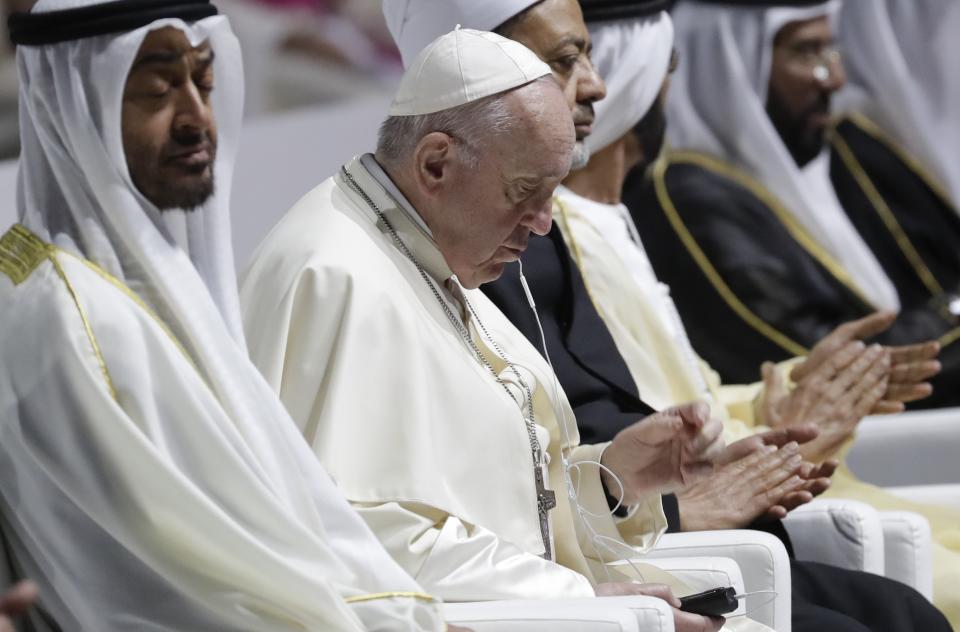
(397, 209)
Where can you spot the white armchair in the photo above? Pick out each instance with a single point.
(762, 559)
(843, 533)
(600, 614)
(908, 550)
(913, 448)
(942, 495)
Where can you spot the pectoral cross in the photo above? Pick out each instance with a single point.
(546, 500)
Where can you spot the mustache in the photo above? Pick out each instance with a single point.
(190, 140)
(583, 114)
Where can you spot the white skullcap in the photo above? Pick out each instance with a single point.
(461, 67)
(415, 23)
(633, 57)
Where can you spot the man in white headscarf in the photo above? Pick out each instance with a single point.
(613, 337)
(441, 423)
(151, 478)
(742, 220)
(895, 148)
(553, 29)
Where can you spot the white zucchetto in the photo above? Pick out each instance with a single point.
(461, 67)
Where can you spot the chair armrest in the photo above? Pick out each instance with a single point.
(908, 547)
(914, 448)
(700, 573)
(941, 495)
(844, 533)
(763, 562)
(600, 614)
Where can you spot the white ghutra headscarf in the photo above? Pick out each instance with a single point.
(901, 61)
(633, 57)
(270, 511)
(717, 105)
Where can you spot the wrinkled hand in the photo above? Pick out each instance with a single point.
(16, 602)
(911, 365)
(682, 621)
(835, 396)
(665, 451)
(746, 489)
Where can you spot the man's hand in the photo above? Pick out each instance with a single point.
(911, 365)
(665, 451)
(742, 491)
(840, 391)
(15, 602)
(682, 621)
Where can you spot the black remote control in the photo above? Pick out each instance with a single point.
(710, 603)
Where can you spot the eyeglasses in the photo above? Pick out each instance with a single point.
(820, 60)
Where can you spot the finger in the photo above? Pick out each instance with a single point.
(739, 450)
(705, 438)
(694, 414)
(792, 500)
(773, 385)
(660, 591)
(18, 599)
(915, 353)
(887, 407)
(902, 393)
(776, 512)
(777, 494)
(869, 366)
(655, 429)
(868, 399)
(817, 486)
(912, 372)
(825, 469)
(838, 359)
(869, 326)
(689, 622)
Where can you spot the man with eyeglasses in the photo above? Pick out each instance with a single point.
(741, 218)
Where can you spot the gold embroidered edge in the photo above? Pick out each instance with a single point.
(873, 130)
(713, 277)
(786, 218)
(886, 215)
(21, 252)
(392, 595)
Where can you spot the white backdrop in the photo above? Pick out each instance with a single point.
(281, 158)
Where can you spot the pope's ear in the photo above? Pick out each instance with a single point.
(433, 157)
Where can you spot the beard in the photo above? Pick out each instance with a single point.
(651, 133)
(581, 156)
(803, 140)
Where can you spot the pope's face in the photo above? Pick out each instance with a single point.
(805, 72)
(555, 31)
(489, 210)
(169, 132)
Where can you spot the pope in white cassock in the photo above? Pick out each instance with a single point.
(442, 425)
(151, 478)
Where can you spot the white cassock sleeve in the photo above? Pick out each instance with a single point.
(464, 562)
(135, 503)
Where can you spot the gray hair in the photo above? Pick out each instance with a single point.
(470, 125)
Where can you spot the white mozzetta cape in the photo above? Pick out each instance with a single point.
(416, 432)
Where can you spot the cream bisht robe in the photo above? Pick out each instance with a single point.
(648, 333)
(134, 497)
(416, 432)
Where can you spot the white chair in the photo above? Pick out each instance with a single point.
(908, 550)
(942, 495)
(843, 533)
(913, 448)
(600, 614)
(761, 558)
